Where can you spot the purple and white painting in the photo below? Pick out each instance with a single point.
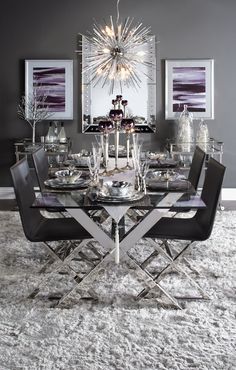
(51, 82)
(189, 87)
(189, 82)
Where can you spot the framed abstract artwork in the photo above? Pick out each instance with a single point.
(53, 80)
(189, 82)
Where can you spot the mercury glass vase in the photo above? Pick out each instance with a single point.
(185, 134)
(202, 136)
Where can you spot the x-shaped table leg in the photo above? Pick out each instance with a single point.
(128, 241)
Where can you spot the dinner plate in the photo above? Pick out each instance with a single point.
(58, 184)
(72, 162)
(101, 197)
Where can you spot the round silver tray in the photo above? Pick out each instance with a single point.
(57, 184)
(114, 199)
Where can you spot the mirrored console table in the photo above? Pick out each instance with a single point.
(24, 147)
(184, 151)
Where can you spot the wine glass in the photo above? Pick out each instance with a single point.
(128, 125)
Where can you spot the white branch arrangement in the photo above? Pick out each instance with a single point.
(33, 109)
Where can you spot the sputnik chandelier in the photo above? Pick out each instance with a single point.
(117, 50)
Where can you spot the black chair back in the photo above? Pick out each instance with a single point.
(41, 166)
(210, 195)
(25, 196)
(196, 167)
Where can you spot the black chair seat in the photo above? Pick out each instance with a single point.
(53, 229)
(177, 228)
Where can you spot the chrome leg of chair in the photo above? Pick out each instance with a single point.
(153, 284)
(57, 265)
(172, 265)
(188, 264)
(81, 282)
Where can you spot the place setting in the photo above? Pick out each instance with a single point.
(116, 192)
(159, 180)
(79, 160)
(68, 179)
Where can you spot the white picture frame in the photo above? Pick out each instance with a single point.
(54, 79)
(190, 82)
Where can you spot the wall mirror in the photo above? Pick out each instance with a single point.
(96, 101)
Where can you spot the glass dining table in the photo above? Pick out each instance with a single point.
(85, 207)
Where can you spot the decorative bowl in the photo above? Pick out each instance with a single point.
(156, 155)
(68, 176)
(80, 159)
(162, 175)
(121, 148)
(118, 188)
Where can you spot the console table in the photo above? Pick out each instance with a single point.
(214, 149)
(24, 147)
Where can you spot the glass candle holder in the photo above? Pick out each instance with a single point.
(116, 114)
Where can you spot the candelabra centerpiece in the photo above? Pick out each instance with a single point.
(117, 121)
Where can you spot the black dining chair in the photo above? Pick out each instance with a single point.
(193, 230)
(196, 167)
(37, 228)
(193, 177)
(41, 166)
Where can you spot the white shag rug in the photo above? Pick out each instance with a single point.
(116, 333)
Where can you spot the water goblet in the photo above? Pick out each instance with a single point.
(94, 166)
(136, 166)
(144, 167)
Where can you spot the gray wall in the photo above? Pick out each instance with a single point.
(48, 30)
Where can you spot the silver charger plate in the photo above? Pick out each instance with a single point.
(72, 162)
(114, 199)
(57, 184)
